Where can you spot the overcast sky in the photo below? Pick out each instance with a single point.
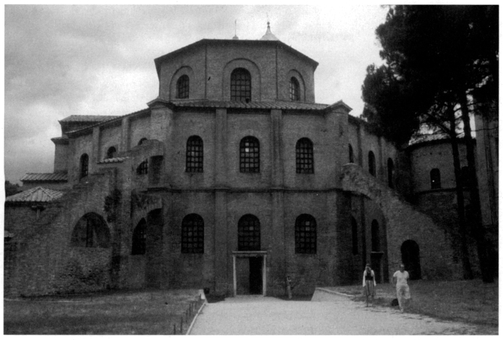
(99, 60)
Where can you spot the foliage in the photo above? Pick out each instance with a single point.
(11, 188)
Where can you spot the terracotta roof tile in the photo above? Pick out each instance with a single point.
(251, 105)
(113, 160)
(37, 194)
(45, 177)
(86, 118)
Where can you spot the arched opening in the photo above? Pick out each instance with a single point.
(248, 233)
(294, 89)
(304, 156)
(194, 154)
(305, 234)
(91, 231)
(372, 163)
(111, 152)
(351, 154)
(249, 155)
(182, 87)
(411, 259)
(193, 234)
(241, 85)
(84, 165)
(139, 238)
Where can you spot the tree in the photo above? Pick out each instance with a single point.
(445, 59)
(11, 189)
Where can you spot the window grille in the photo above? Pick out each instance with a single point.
(248, 233)
(294, 89)
(142, 168)
(241, 85)
(249, 155)
(140, 238)
(193, 234)
(182, 87)
(305, 234)
(194, 156)
(304, 156)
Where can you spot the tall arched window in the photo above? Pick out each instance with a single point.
(241, 85)
(248, 233)
(111, 152)
(84, 165)
(249, 155)
(351, 154)
(182, 87)
(139, 238)
(376, 237)
(91, 231)
(391, 173)
(305, 234)
(294, 89)
(193, 234)
(304, 156)
(354, 235)
(194, 155)
(435, 178)
(372, 163)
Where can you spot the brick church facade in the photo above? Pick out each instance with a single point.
(232, 179)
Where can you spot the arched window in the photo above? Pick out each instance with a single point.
(193, 234)
(111, 152)
(84, 165)
(391, 173)
(248, 233)
(304, 156)
(91, 231)
(354, 235)
(182, 87)
(241, 85)
(435, 178)
(411, 259)
(376, 237)
(294, 89)
(194, 155)
(351, 154)
(372, 163)
(139, 238)
(142, 169)
(249, 155)
(142, 141)
(305, 234)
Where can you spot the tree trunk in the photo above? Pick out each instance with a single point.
(465, 257)
(477, 227)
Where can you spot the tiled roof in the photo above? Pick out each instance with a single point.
(251, 105)
(37, 194)
(424, 138)
(86, 118)
(45, 177)
(113, 160)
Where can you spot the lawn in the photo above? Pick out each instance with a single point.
(146, 312)
(463, 301)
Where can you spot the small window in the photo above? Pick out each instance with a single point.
(193, 234)
(391, 173)
(435, 178)
(142, 169)
(182, 87)
(351, 154)
(248, 233)
(376, 237)
(84, 165)
(139, 238)
(372, 163)
(305, 234)
(91, 231)
(294, 89)
(304, 156)
(142, 141)
(111, 152)
(354, 235)
(194, 156)
(241, 85)
(249, 155)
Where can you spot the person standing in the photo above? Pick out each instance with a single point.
(369, 283)
(400, 279)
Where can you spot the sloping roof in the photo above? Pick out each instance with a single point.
(86, 118)
(251, 105)
(37, 194)
(113, 160)
(45, 177)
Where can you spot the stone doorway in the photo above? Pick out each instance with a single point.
(249, 272)
(410, 258)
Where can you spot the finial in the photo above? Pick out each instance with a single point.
(235, 37)
(268, 34)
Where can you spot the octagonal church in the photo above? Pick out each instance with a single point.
(231, 180)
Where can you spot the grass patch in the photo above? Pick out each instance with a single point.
(121, 313)
(463, 301)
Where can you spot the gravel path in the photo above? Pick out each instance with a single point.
(327, 314)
